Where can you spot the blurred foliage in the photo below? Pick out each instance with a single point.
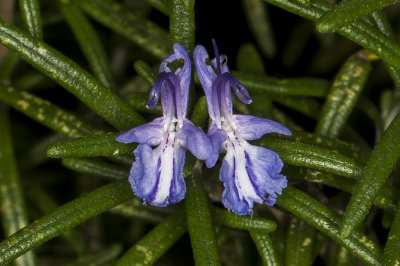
(78, 72)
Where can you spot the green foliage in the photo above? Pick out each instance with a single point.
(348, 11)
(12, 208)
(79, 72)
(299, 242)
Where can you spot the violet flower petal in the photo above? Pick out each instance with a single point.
(206, 75)
(183, 74)
(156, 176)
(240, 90)
(217, 137)
(195, 140)
(249, 173)
(150, 133)
(253, 127)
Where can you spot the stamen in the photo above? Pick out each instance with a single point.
(217, 57)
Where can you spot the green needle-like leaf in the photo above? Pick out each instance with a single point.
(300, 154)
(201, 230)
(138, 102)
(31, 16)
(258, 20)
(182, 23)
(89, 42)
(266, 248)
(96, 167)
(70, 76)
(100, 145)
(102, 257)
(294, 86)
(7, 65)
(63, 218)
(380, 165)
(386, 199)
(46, 204)
(46, 113)
(144, 33)
(37, 153)
(32, 80)
(145, 71)
(12, 205)
(303, 2)
(303, 105)
(161, 5)
(360, 32)
(348, 11)
(299, 243)
(151, 247)
(323, 154)
(340, 256)
(384, 26)
(249, 60)
(391, 255)
(343, 95)
(325, 220)
(243, 222)
(200, 113)
(369, 108)
(135, 209)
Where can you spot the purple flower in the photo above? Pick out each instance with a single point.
(157, 174)
(249, 173)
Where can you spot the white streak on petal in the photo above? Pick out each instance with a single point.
(166, 169)
(236, 148)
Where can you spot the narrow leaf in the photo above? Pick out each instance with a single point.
(182, 23)
(294, 86)
(63, 218)
(7, 65)
(31, 16)
(387, 198)
(12, 207)
(340, 256)
(348, 11)
(299, 243)
(97, 145)
(70, 76)
(144, 33)
(201, 230)
(145, 71)
(249, 60)
(300, 154)
(332, 156)
(104, 256)
(135, 209)
(151, 247)
(199, 116)
(138, 102)
(374, 175)
(37, 153)
(243, 222)
(325, 220)
(46, 113)
(384, 26)
(161, 5)
(303, 105)
(343, 95)
(266, 248)
(391, 255)
(360, 32)
(96, 167)
(46, 204)
(258, 20)
(89, 43)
